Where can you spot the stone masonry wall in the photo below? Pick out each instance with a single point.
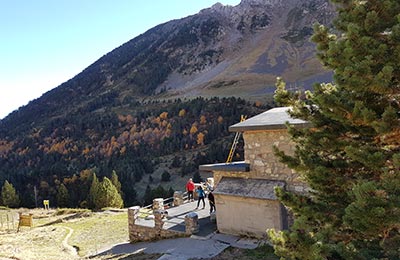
(258, 152)
(263, 162)
(139, 233)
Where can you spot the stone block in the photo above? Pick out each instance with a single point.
(158, 203)
(191, 223)
(178, 198)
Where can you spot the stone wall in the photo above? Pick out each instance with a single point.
(139, 233)
(263, 162)
(258, 152)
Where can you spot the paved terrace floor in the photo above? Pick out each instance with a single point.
(205, 244)
(176, 218)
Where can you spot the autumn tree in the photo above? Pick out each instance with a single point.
(9, 196)
(200, 138)
(193, 129)
(203, 119)
(350, 154)
(182, 113)
(164, 115)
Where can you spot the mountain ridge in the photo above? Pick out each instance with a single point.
(220, 51)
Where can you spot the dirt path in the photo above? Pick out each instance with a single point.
(68, 248)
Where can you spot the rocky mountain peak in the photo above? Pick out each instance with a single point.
(220, 9)
(260, 2)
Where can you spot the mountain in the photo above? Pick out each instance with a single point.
(124, 112)
(222, 50)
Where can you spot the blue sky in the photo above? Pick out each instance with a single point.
(46, 42)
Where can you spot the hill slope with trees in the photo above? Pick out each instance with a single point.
(138, 143)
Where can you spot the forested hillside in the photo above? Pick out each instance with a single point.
(139, 141)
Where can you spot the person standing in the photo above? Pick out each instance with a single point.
(201, 196)
(209, 186)
(190, 189)
(211, 200)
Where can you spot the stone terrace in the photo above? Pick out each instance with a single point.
(171, 222)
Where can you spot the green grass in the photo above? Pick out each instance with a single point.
(261, 252)
(65, 211)
(94, 234)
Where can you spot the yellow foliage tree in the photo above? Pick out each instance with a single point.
(193, 129)
(182, 113)
(164, 115)
(200, 138)
(203, 119)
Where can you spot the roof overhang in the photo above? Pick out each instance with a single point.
(273, 119)
(226, 167)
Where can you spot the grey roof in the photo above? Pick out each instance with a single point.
(250, 188)
(226, 167)
(275, 118)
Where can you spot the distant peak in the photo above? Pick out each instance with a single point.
(217, 5)
(219, 8)
(260, 2)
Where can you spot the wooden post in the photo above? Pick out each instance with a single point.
(25, 221)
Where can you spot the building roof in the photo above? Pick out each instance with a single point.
(275, 118)
(226, 167)
(249, 188)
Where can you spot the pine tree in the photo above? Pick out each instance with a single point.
(148, 196)
(62, 196)
(9, 196)
(115, 181)
(165, 176)
(350, 156)
(93, 192)
(107, 195)
(197, 177)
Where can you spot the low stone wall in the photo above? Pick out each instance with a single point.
(138, 233)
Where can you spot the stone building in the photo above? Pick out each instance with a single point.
(244, 191)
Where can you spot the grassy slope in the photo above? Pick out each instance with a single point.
(92, 232)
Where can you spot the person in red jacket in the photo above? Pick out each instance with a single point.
(190, 189)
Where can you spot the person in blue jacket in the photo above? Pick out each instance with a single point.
(201, 194)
